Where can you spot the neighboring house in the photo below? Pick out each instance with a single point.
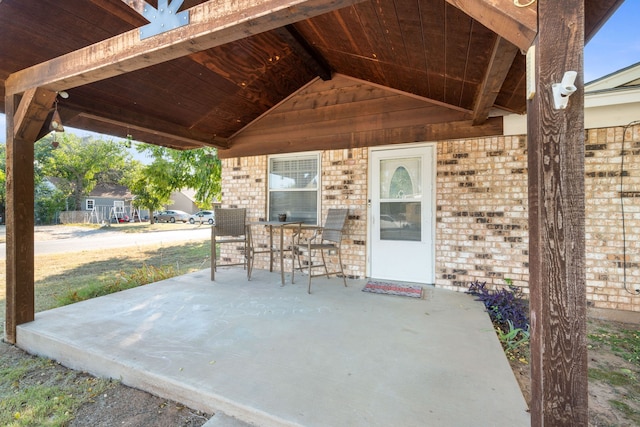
(449, 212)
(112, 203)
(183, 200)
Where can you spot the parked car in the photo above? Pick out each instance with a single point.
(387, 221)
(171, 216)
(203, 216)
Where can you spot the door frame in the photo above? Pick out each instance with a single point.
(430, 168)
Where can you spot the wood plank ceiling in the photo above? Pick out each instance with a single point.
(429, 49)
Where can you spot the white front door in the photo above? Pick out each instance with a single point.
(402, 214)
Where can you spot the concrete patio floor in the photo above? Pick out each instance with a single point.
(275, 356)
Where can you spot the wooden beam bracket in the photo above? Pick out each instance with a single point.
(516, 24)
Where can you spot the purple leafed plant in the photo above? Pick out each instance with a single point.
(503, 305)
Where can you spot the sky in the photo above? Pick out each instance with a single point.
(614, 47)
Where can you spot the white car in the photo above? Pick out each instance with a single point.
(387, 221)
(203, 216)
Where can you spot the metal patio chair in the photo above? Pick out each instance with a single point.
(231, 228)
(325, 239)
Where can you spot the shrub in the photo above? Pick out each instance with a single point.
(506, 305)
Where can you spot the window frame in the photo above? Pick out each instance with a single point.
(314, 155)
(118, 206)
(92, 202)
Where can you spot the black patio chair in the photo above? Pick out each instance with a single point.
(231, 228)
(324, 239)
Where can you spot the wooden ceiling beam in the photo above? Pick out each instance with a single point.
(502, 57)
(132, 14)
(211, 24)
(519, 25)
(132, 121)
(366, 138)
(31, 114)
(309, 55)
(137, 5)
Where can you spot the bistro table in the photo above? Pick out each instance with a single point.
(280, 225)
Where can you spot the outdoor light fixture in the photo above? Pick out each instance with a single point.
(56, 121)
(563, 90)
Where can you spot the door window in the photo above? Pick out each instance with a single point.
(400, 199)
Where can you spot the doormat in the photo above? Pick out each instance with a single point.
(412, 291)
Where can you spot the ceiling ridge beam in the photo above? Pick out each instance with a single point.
(312, 58)
(211, 24)
(519, 25)
(502, 56)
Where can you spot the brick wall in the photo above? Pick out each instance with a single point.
(482, 217)
(603, 220)
(481, 211)
(344, 185)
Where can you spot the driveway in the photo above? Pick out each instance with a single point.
(60, 239)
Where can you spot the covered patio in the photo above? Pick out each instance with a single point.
(275, 356)
(428, 70)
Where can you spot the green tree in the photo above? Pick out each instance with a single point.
(49, 201)
(171, 170)
(149, 193)
(81, 163)
(201, 171)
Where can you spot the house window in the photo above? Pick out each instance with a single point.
(91, 203)
(293, 187)
(118, 205)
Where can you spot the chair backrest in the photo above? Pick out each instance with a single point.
(334, 224)
(230, 221)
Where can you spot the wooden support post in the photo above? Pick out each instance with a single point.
(556, 223)
(19, 222)
(25, 121)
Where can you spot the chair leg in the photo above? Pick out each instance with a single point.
(310, 272)
(294, 251)
(324, 264)
(344, 279)
(213, 262)
(213, 254)
(248, 259)
(299, 254)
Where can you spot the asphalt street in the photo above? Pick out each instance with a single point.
(86, 241)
